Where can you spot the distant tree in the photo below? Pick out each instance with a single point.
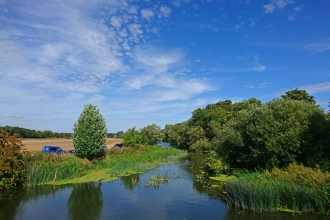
(298, 94)
(132, 138)
(152, 134)
(89, 133)
(177, 135)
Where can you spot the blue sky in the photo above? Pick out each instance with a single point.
(144, 62)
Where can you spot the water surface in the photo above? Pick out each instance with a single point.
(182, 197)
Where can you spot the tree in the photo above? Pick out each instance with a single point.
(132, 138)
(298, 94)
(275, 134)
(152, 134)
(89, 133)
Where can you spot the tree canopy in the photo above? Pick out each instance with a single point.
(89, 133)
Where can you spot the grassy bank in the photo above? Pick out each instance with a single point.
(58, 169)
(295, 189)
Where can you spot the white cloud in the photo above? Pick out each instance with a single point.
(164, 11)
(147, 14)
(276, 4)
(317, 88)
(116, 21)
(319, 47)
(161, 71)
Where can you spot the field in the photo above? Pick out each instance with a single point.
(34, 145)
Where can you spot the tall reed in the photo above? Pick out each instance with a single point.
(295, 188)
(48, 168)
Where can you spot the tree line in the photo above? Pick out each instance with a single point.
(251, 134)
(28, 133)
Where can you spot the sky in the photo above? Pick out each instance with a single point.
(144, 62)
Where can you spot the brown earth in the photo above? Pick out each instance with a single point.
(34, 145)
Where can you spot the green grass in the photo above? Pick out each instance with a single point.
(223, 178)
(63, 169)
(295, 189)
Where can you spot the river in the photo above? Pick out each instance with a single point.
(130, 197)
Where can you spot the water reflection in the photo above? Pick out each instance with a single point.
(130, 182)
(183, 197)
(85, 201)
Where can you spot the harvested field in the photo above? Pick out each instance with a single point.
(34, 145)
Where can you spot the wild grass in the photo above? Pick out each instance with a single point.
(160, 179)
(296, 188)
(62, 169)
(43, 168)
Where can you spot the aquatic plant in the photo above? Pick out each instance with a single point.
(296, 188)
(62, 169)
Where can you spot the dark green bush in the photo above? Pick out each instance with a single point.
(12, 161)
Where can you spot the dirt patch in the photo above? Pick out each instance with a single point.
(34, 145)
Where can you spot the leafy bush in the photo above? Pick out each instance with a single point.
(132, 138)
(202, 145)
(90, 133)
(214, 164)
(12, 161)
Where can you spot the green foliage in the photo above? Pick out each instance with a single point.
(12, 161)
(90, 133)
(246, 104)
(133, 138)
(274, 134)
(44, 168)
(295, 188)
(28, 133)
(177, 135)
(211, 118)
(298, 94)
(202, 145)
(215, 165)
(152, 134)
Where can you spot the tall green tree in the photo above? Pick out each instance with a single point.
(298, 94)
(132, 138)
(152, 134)
(275, 134)
(89, 133)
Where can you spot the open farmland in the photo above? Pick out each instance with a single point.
(34, 145)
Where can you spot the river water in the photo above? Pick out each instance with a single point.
(130, 197)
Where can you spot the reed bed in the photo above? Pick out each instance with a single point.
(49, 168)
(296, 188)
(45, 168)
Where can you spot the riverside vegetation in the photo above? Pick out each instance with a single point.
(273, 156)
(39, 168)
(277, 151)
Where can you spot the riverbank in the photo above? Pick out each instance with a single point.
(295, 189)
(63, 169)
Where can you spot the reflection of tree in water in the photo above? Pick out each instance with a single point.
(10, 200)
(85, 201)
(131, 181)
(201, 184)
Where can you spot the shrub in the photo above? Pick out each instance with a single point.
(201, 145)
(132, 138)
(12, 160)
(90, 133)
(214, 164)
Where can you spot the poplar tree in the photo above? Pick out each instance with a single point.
(89, 133)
